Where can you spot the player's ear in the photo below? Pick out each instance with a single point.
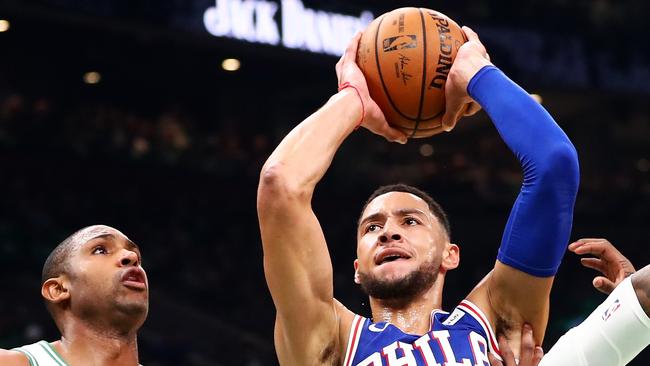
(356, 272)
(450, 257)
(55, 290)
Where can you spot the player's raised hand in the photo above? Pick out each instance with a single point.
(471, 57)
(614, 266)
(529, 355)
(347, 71)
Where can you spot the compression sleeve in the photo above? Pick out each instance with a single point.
(539, 225)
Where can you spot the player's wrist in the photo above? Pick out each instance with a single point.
(351, 96)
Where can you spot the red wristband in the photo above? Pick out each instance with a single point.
(363, 108)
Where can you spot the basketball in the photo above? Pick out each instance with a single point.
(406, 55)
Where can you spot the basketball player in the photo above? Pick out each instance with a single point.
(97, 293)
(614, 333)
(403, 241)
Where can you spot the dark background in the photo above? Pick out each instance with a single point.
(168, 148)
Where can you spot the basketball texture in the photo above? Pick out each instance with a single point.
(405, 56)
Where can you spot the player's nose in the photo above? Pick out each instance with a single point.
(385, 238)
(128, 258)
(390, 233)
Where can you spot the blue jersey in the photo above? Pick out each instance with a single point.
(460, 338)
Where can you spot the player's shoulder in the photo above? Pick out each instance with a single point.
(12, 358)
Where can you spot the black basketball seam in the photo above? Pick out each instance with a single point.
(424, 73)
(381, 77)
(420, 129)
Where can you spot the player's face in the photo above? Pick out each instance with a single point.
(399, 238)
(107, 277)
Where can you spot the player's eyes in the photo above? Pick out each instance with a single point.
(372, 227)
(411, 221)
(99, 250)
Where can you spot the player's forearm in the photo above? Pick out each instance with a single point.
(539, 225)
(305, 154)
(525, 126)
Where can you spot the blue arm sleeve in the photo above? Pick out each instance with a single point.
(538, 229)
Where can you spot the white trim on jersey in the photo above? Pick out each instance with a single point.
(41, 354)
(432, 317)
(473, 310)
(353, 339)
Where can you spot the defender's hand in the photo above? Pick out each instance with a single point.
(348, 71)
(530, 355)
(609, 261)
(471, 57)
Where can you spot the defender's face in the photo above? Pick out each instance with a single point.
(107, 274)
(397, 234)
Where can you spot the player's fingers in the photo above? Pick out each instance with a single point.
(590, 239)
(576, 244)
(538, 355)
(493, 360)
(506, 352)
(594, 263)
(350, 54)
(527, 346)
(472, 108)
(597, 248)
(604, 285)
(449, 122)
(392, 134)
(471, 35)
(582, 241)
(454, 109)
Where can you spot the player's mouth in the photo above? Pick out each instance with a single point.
(391, 254)
(134, 278)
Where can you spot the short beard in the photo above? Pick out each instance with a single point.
(402, 289)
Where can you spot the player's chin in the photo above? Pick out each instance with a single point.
(136, 298)
(134, 306)
(395, 270)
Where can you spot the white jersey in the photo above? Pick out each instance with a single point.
(611, 336)
(41, 354)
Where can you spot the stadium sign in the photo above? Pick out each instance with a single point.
(288, 23)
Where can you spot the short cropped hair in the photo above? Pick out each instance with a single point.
(434, 207)
(57, 263)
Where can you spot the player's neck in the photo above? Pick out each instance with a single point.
(413, 315)
(84, 345)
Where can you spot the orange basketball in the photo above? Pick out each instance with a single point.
(405, 56)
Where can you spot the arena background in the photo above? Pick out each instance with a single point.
(167, 146)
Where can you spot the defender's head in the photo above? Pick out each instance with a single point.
(402, 243)
(96, 275)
